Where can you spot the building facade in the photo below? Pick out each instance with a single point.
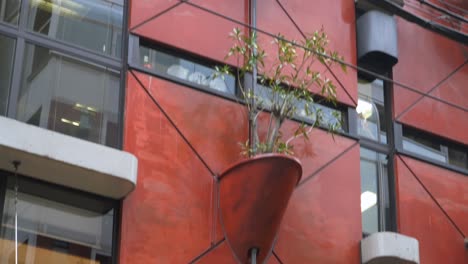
(113, 134)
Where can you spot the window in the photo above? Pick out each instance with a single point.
(434, 148)
(182, 69)
(68, 95)
(9, 11)
(92, 24)
(55, 225)
(7, 51)
(374, 124)
(328, 116)
(375, 201)
(371, 111)
(147, 56)
(69, 80)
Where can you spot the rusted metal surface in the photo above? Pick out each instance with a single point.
(254, 194)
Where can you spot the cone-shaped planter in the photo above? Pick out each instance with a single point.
(253, 196)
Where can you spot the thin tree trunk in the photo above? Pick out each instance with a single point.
(273, 134)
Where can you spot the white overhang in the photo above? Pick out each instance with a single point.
(389, 247)
(53, 157)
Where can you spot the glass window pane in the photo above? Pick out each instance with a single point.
(371, 111)
(264, 96)
(374, 191)
(434, 148)
(167, 64)
(386, 193)
(51, 231)
(9, 11)
(7, 51)
(458, 157)
(92, 24)
(414, 146)
(328, 116)
(369, 196)
(69, 96)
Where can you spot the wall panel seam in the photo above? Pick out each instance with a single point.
(327, 66)
(432, 197)
(184, 138)
(156, 16)
(327, 164)
(432, 89)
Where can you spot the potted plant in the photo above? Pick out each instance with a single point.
(254, 193)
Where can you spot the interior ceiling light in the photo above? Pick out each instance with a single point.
(84, 107)
(364, 109)
(64, 120)
(368, 199)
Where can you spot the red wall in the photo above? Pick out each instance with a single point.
(425, 69)
(170, 216)
(183, 138)
(433, 202)
(432, 207)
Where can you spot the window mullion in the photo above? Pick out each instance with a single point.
(388, 97)
(392, 217)
(382, 199)
(23, 18)
(391, 142)
(16, 78)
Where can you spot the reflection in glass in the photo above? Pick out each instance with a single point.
(458, 157)
(374, 188)
(7, 51)
(371, 111)
(9, 11)
(51, 231)
(328, 116)
(164, 63)
(92, 24)
(264, 96)
(422, 149)
(69, 96)
(435, 149)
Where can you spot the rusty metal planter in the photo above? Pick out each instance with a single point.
(253, 197)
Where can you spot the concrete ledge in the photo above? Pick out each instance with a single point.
(53, 157)
(388, 247)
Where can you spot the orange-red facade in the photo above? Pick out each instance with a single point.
(183, 138)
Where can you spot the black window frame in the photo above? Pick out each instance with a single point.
(384, 219)
(23, 36)
(377, 106)
(399, 138)
(135, 42)
(387, 220)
